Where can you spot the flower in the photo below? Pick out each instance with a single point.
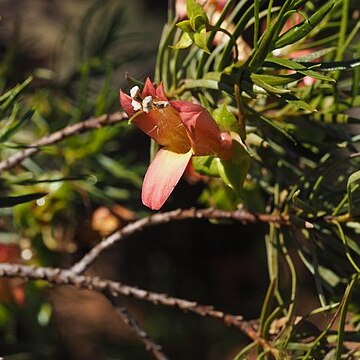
(182, 128)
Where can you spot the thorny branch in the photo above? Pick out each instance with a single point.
(90, 124)
(67, 277)
(242, 216)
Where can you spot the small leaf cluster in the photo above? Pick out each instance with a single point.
(194, 29)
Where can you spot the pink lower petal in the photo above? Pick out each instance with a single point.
(162, 176)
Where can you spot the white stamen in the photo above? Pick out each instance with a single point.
(136, 105)
(147, 103)
(134, 92)
(161, 104)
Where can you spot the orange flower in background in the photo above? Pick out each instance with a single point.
(182, 128)
(106, 220)
(11, 289)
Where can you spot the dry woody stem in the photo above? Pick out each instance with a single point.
(150, 345)
(86, 125)
(67, 277)
(241, 216)
(125, 315)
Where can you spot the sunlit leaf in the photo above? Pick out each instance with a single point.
(206, 165)
(196, 14)
(233, 172)
(300, 31)
(226, 119)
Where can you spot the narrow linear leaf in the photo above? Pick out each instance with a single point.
(276, 80)
(10, 201)
(269, 88)
(353, 191)
(300, 67)
(300, 31)
(10, 96)
(14, 125)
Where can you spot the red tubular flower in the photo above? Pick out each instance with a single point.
(182, 128)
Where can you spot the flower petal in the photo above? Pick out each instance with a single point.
(162, 176)
(125, 101)
(148, 89)
(204, 133)
(160, 94)
(165, 127)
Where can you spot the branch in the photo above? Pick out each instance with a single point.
(242, 216)
(133, 324)
(90, 124)
(67, 277)
(150, 345)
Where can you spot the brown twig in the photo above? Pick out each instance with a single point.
(67, 277)
(90, 124)
(150, 345)
(124, 314)
(242, 216)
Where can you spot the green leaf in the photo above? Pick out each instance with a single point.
(226, 120)
(301, 204)
(9, 97)
(315, 54)
(300, 104)
(300, 68)
(329, 118)
(233, 172)
(276, 80)
(194, 29)
(116, 169)
(196, 14)
(14, 124)
(300, 31)
(206, 165)
(269, 88)
(276, 125)
(353, 191)
(201, 84)
(329, 276)
(184, 42)
(9, 201)
(200, 40)
(260, 53)
(185, 26)
(336, 65)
